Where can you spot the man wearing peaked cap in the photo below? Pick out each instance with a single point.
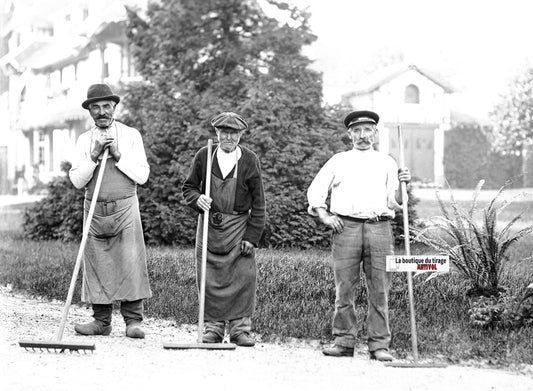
(364, 186)
(114, 258)
(236, 221)
(361, 117)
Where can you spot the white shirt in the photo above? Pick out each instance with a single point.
(362, 184)
(226, 161)
(132, 161)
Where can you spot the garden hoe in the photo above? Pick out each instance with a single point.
(56, 345)
(405, 211)
(200, 344)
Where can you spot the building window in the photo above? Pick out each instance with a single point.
(41, 155)
(412, 94)
(45, 31)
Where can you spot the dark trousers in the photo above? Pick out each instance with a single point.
(236, 327)
(132, 311)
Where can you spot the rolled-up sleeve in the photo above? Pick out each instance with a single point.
(133, 162)
(318, 190)
(83, 167)
(392, 184)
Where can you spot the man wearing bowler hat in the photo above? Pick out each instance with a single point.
(114, 258)
(236, 221)
(364, 192)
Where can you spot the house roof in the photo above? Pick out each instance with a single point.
(41, 54)
(378, 78)
(458, 117)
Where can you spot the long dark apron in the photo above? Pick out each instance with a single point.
(114, 259)
(230, 276)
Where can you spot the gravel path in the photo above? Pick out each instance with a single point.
(122, 363)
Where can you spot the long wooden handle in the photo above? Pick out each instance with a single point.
(403, 187)
(204, 245)
(405, 209)
(85, 234)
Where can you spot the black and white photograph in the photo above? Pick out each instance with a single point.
(266, 194)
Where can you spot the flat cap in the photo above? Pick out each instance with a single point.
(229, 121)
(361, 117)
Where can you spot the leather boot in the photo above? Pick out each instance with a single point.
(101, 325)
(381, 355)
(338, 351)
(211, 337)
(134, 330)
(95, 327)
(239, 331)
(243, 339)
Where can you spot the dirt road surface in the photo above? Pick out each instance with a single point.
(120, 363)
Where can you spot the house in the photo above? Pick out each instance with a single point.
(417, 99)
(50, 52)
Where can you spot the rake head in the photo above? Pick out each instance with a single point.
(414, 365)
(56, 346)
(207, 346)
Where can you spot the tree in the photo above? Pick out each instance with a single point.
(513, 122)
(199, 58)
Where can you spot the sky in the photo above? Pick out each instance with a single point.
(478, 46)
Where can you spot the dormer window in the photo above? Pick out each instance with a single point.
(412, 94)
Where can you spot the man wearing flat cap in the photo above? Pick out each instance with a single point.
(114, 258)
(364, 192)
(236, 222)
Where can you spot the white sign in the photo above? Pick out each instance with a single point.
(418, 263)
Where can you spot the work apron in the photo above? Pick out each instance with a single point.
(114, 259)
(230, 276)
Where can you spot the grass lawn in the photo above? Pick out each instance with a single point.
(295, 295)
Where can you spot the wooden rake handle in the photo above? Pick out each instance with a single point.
(85, 234)
(405, 209)
(204, 245)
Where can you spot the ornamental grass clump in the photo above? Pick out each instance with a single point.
(478, 250)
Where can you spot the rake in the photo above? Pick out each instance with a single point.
(405, 210)
(57, 345)
(200, 344)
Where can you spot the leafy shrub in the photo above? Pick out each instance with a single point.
(506, 311)
(59, 215)
(250, 64)
(479, 252)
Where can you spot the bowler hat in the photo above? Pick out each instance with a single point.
(98, 92)
(361, 117)
(230, 122)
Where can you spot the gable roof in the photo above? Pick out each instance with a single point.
(378, 78)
